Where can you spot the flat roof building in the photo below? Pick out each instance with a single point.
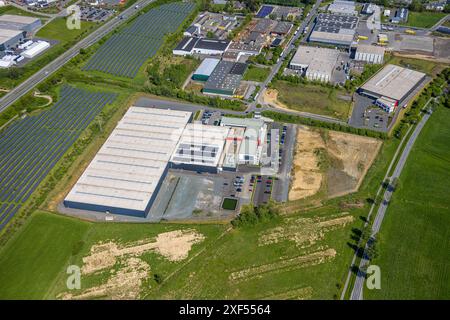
(336, 29)
(127, 172)
(23, 23)
(10, 38)
(315, 63)
(205, 69)
(393, 82)
(343, 7)
(195, 45)
(250, 148)
(224, 80)
(369, 53)
(200, 148)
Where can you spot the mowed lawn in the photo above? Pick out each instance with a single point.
(414, 242)
(314, 99)
(32, 260)
(57, 30)
(424, 19)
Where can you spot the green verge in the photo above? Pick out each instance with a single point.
(424, 19)
(34, 262)
(414, 242)
(317, 99)
(256, 74)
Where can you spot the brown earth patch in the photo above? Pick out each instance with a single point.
(173, 245)
(304, 231)
(283, 265)
(332, 161)
(124, 284)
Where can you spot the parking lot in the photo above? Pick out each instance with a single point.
(262, 188)
(366, 115)
(95, 14)
(211, 117)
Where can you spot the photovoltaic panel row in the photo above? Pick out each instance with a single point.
(31, 147)
(125, 52)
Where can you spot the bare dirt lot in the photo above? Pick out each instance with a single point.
(331, 162)
(123, 267)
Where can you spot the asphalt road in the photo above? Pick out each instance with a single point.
(357, 292)
(56, 64)
(285, 54)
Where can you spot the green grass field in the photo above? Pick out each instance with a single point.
(57, 30)
(424, 19)
(414, 242)
(314, 99)
(19, 12)
(34, 262)
(256, 74)
(429, 67)
(34, 258)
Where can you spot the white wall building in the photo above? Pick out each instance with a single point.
(369, 53)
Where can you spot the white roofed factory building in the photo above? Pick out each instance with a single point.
(200, 148)
(315, 63)
(369, 53)
(127, 172)
(392, 86)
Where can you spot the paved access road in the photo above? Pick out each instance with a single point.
(357, 291)
(56, 64)
(290, 46)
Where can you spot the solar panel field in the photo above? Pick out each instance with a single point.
(125, 52)
(31, 147)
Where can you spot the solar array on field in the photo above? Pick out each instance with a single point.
(30, 148)
(125, 52)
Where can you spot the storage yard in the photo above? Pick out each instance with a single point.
(126, 51)
(31, 147)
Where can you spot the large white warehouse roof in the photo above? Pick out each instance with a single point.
(125, 175)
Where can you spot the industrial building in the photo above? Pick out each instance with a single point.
(127, 172)
(10, 38)
(225, 79)
(401, 16)
(35, 49)
(368, 8)
(244, 49)
(392, 86)
(195, 45)
(205, 69)
(254, 137)
(315, 63)
(343, 7)
(369, 53)
(336, 29)
(200, 148)
(22, 23)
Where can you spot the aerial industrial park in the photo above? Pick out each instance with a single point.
(221, 149)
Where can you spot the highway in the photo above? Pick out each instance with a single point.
(357, 292)
(56, 64)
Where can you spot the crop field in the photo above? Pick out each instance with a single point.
(414, 241)
(29, 148)
(125, 52)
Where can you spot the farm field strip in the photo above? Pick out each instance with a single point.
(31, 147)
(125, 52)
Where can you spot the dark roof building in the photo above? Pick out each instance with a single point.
(191, 45)
(222, 80)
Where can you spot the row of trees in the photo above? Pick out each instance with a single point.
(433, 90)
(250, 215)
